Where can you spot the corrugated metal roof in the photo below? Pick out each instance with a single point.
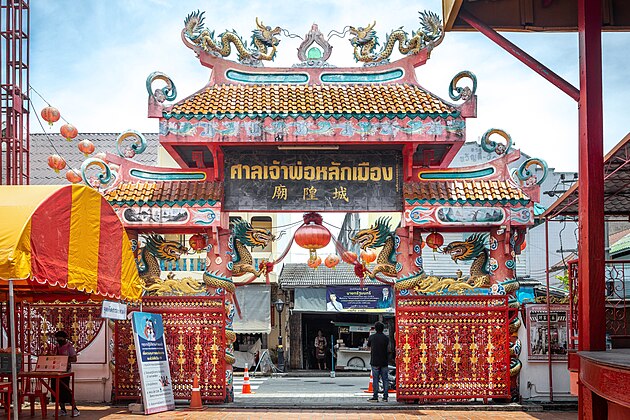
(301, 275)
(41, 148)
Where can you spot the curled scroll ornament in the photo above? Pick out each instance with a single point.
(138, 146)
(492, 146)
(104, 177)
(458, 92)
(167, 93)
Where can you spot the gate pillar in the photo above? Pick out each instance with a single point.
(218, 280)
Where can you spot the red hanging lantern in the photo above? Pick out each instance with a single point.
(51, 115)
(197, 242)
(69, 131)
(331, 261)
(86, 147)
(73, 176)
(56, 163)
(523, 245)
(314, 262)
(349, 257)
(312, 235)
(368, 255)
(434, 241)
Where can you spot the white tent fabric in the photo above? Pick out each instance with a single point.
(255, 303)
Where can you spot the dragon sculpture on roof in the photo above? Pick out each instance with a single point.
(244, 235)
(365, 39)
(263, 43)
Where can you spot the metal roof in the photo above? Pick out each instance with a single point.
(616, 187)
(301, 275)
(43, 145)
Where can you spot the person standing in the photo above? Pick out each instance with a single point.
(320, 350)
(65, 348)
(378, 343)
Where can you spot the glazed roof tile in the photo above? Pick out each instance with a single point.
(301, 275)
(43, 145)
(165, 193)
(301, 100)
(465, 191)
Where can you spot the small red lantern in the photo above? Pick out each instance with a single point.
(51, 115)
(69, 131)
(86, 147)
(349, 257)
(73, 177)
(523, 245)
(368, 255)
(312, 235)
(314, 262)
(434, 241)
(197, 242)
(56, 163)
(331, 261)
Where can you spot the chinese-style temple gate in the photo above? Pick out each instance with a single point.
(320, 138)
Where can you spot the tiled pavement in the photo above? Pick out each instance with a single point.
(211, 413)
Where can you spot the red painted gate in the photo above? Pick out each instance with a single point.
(195, 338)
(452, 347)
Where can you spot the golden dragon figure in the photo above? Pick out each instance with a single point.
(264, 40)
(244, 235)
(156, 247)
(379, 235)
(473, 248)
(365, 39)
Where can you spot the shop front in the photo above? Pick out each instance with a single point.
(332, 301)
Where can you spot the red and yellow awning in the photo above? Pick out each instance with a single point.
(65, 236)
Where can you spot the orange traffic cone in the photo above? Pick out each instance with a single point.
(247, 388)
(195, 399)
(370, 389)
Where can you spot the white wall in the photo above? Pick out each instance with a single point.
(536, 374)
(93, 381)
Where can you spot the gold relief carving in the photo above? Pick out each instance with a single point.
(197, 359)
(181, 348)
(456, 357)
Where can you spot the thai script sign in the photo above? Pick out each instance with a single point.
(359, 299)
(313, 180)
(155, 374)
(114, 310)
(544, 335)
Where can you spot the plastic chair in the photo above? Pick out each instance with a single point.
(34, 390)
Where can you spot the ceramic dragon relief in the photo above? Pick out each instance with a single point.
(376, 236)
(472, 249)
(156, 247)
(263, 43)
(365, 40)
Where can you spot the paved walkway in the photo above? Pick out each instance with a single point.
(116, 413)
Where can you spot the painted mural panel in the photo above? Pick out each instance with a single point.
(540, 341)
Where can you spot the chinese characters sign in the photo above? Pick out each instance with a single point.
(541, 339)
(313, 180)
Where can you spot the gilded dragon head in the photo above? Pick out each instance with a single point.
(467, 250)
(375, 235)
(163, 249)
(266, 35)
(250, 236)
(362, 35)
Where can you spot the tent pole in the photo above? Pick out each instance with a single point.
(14, 378)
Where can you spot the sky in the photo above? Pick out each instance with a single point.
(90, 59)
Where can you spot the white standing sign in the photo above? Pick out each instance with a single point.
(155, 374)
(114, 310)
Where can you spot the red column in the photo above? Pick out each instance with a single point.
(591, 193)
(502, 259)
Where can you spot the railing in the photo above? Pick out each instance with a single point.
(191, 264)
(617, 295)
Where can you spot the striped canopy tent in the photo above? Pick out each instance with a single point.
(66, 242)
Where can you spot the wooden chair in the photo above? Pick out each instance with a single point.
(33, 390)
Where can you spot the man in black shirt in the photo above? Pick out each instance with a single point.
(378, 343)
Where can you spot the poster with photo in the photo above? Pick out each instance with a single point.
(359, 299)
(155, 374)
(538, 337)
